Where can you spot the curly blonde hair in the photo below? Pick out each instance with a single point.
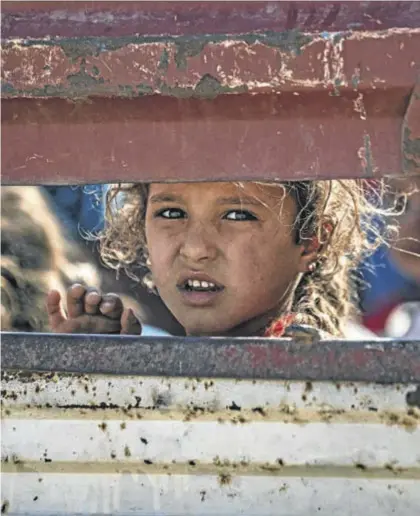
(342, 214)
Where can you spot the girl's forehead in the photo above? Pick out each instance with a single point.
(217, 190)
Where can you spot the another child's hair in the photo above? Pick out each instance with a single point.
(345, 216)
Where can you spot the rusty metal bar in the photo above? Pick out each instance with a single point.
(377, 361)
(223, 90)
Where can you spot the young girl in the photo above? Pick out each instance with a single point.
(238, 259)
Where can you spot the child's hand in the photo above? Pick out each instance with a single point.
(90, 312)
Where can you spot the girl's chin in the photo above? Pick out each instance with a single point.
(206, 330)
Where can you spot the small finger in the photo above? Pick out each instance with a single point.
(75, 300)
(89, 324)
(111, 306)
(130, 325)
(100, 324)
(55, 310)
(92, 301)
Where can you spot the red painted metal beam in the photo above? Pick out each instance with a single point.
(213, 90)
(237, 137)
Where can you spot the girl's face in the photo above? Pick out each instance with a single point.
(222, 254)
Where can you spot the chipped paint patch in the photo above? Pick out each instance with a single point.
(359, 106)
(333, 61)
(366, 157)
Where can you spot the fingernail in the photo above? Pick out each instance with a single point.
(94, 295)
(107, 306)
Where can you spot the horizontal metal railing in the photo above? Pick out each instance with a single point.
(383, 361)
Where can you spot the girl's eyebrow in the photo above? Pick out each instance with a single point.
(238, 201)
(165, 198)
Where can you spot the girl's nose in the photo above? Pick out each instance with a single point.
(199, 244)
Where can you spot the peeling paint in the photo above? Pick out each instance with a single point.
(305, 77)
(261, 62)
(359, 106)
(186, 46)
(208, 87)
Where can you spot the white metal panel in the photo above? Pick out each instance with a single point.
(180, 495)
(76, 444)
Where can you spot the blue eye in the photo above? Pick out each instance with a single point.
(240, 215)
(171, 213)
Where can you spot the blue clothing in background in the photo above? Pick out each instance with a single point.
(386, 281)
(152, 331)
(383, 278)
(81, 209)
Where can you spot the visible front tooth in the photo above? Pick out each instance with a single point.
(190, 282)
(204, 284)
(196, 284)
(211, 285)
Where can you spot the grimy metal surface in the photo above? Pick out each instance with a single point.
(377, 361)
(105, 91)
(92, 444)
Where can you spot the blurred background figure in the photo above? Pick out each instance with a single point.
(391, 299)
(80, 209)
(36, 256)
(43, 247)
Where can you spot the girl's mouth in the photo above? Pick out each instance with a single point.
(195, 285)
(199, 292)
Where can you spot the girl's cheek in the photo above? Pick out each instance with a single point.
(162, 247)
(167, 230)
(156, 231)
